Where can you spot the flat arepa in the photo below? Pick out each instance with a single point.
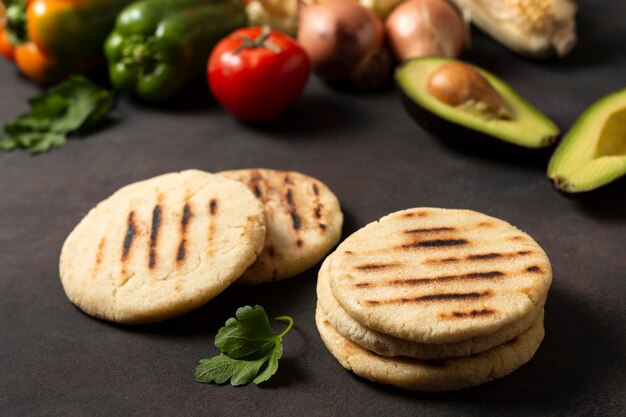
(162, 247)
(439, 276)
(440, 375)
(386, 345)
(303, 217)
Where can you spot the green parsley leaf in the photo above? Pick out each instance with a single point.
(250, 351)
(272, 364)
(73, 106)
(222, 368)
(246, 334)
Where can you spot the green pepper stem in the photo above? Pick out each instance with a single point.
(285, 319)
(140, 51)
(15, 22)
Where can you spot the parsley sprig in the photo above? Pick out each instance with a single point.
(74, 106)
(250, 350)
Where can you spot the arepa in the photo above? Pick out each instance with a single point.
(439, 276)
(439, 375)
(303, 218)
(387, 345)
(161, 247)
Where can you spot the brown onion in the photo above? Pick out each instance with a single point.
(345, 43)
(418, 28)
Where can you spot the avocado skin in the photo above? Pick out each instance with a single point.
(473, 141)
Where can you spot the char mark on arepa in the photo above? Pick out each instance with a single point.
(316, 189)
(184, 223)
(534, 268)
(429, 230)
(487, 275)
(376, 266)
(254, 183)
(479, 257)
(154, 235)
(468, 314)
(131, 231)
(296, 221)
(213, 206)
(435, 243)
(432, 297)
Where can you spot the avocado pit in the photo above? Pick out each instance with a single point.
(459, 85)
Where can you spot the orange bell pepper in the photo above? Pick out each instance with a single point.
(50, 39)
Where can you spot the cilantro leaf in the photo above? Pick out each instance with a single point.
(74, 106)
(249, 350)
(247, 333)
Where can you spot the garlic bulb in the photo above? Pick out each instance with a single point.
(534, 28)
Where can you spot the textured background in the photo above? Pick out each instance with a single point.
(54, 360)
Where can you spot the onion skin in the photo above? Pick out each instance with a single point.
(418, 28)
(343, 40)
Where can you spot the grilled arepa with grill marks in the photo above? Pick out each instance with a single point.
(438, 375)
(161, 247)
(303, 219)
(386, 345)
(439, 276)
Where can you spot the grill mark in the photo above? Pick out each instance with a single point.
(430, 230)
(99, 256)
(415, 213)
(445, 278)
(184, 222)
(299, 243)
(478, 257)
(271, 251)
(376, 266)
(432, 297)
(287, 180)
(316, 189)
(348, 252)
(254, 184)
(483, 256)
(296, 221)
(436, 243)
(468, 314)
(318, 211)
(534, 268)
(180, 256)
(131, 231)
(213, 206)
(485, 224)
(154, 235)
(322, 227)
(289, 197)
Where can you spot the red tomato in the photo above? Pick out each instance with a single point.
(257, 74)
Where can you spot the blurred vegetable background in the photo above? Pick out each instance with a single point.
(153, 49)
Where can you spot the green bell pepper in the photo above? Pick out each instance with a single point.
(158, 46)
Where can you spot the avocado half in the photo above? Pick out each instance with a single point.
(593, 152)
(527, 127)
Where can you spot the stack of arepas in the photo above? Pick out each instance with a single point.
(167, 245)
(433, 299)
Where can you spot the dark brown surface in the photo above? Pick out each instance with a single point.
(57, 361)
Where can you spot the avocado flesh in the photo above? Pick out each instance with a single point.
(527, 127)
(593, 152)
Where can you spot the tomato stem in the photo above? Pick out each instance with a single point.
(260, 41)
